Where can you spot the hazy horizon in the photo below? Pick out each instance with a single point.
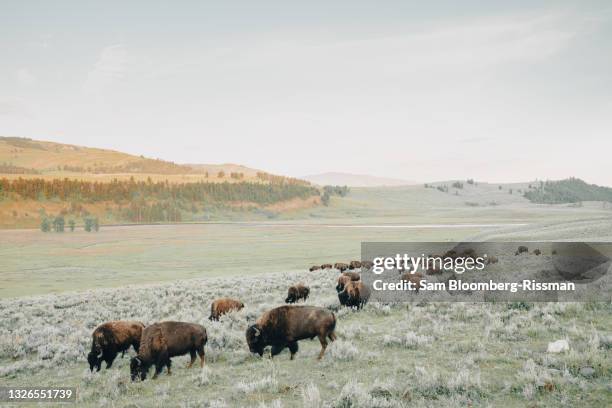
(404, 90)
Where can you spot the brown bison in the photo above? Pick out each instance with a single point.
(110, 338)
(521, 249)
(222, 306)
(355, 294)
(161, 341)
(354, 265)
(367, 265)
(492, 260)
(284, 326)
(297, 292)
(415, 278)
(314, 268)
(345, 278)
(341, 266)
(326, 266)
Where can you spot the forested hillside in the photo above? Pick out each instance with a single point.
(570, 190)
(148, 201)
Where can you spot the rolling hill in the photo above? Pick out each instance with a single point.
(355, 180)
(45, 180)
(28, 158)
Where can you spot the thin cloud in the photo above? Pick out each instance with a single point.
(109, 68)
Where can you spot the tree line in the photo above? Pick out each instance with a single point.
(132, 190)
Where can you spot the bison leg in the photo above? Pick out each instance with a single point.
(109, 360)
(293, 348)
(193, 357)
(276, 350)
(323, 346)
(332, 336)
(158, 369)
(169, 365)
(202, 356)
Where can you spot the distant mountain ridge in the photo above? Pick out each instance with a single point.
(355, 180)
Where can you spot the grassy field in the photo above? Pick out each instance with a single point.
(56, 288)
(415, 354)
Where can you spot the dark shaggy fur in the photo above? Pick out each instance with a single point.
(344, 278)
(284, 326)
(355, 294)
(161, 341)
(297, 292)
(110, 338)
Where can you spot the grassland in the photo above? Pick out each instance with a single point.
(55, 288)
(37, 263)
(415, 354)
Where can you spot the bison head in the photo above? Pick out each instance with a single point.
(138, 368)
(95, 360)
(254, 340)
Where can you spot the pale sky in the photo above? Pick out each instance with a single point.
(497, 91)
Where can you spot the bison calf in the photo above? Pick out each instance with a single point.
(161, 341)
(284, 326)
(110, 338)
(297, 292)
(222, 306)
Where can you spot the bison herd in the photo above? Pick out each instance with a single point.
(280, 328)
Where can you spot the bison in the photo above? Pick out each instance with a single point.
(346, 277)
(355, 294)
(222, 306)
(284, 326)
(314, 268)
(354, 265)
(366, 265)
(297, 292)
(110, 338)
(492, 259)
(415, 278)
(341, 266)
(326, 266)
(537, 252)
(161, 341)
(521, 249)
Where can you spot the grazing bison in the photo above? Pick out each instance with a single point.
(161, 341)
(326, 266)
(354, 265)
(297, 292)
(284, 326)
(355, 294)
(110, 338)
(415, 278)
(314, 268)
(521, 249)
(341, 266)
(537, 251)
(345, 278)
(222, 306)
